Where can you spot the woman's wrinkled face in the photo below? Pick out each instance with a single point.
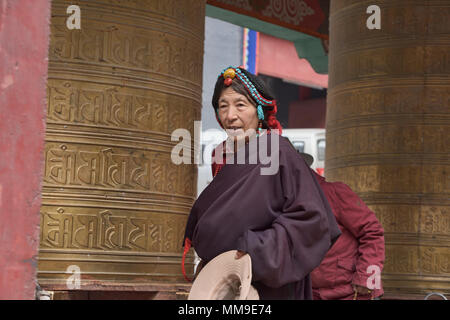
(237, 114)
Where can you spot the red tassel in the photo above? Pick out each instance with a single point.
(273, 123)
(274, 109)
(187, 246)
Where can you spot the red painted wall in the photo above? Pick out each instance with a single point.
(278, 58)
(24, 36)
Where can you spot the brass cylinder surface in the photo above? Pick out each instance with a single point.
(113, 203)
(388, 124)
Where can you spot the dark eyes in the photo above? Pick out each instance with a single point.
(238, 105)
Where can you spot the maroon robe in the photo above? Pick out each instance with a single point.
(283, 221)
(360, 246)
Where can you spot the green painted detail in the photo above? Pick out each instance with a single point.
(308, 47)
(312, 50)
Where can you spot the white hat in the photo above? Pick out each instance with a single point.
(225, 278)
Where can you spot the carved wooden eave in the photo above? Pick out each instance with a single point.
(303, 22)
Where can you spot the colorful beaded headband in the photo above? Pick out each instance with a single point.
(230, 73)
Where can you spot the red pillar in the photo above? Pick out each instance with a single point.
(24, 36)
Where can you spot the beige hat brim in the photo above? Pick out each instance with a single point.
(225, 278)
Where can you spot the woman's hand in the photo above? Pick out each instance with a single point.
(240, 254)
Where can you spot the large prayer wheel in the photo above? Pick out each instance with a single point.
(114, 205)
(388, 125)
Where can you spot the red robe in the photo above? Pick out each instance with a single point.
(360, 246)
(283, 221)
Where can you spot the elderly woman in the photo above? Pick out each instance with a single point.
(282, 220)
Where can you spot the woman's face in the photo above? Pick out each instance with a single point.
(237, 114)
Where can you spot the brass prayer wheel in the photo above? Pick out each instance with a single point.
(113, 203)
(388, 124)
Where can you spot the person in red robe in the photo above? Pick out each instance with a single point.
(352, 268)
(282, 220)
